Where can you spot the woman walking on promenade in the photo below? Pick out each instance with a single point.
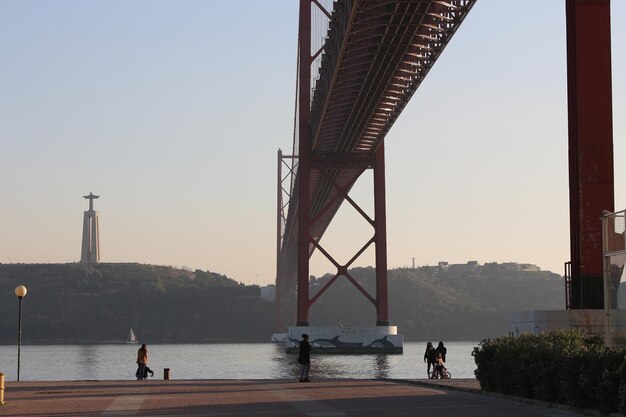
(142, 361)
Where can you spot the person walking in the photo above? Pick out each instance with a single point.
(304, 358)
(430, 357)
(142, 361)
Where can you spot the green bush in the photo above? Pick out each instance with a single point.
(561, 366)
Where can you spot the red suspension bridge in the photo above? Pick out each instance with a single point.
(359, 63)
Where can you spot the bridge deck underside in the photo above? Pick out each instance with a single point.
(376, 55)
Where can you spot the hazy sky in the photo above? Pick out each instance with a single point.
(173, 111)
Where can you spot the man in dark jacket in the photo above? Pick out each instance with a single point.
(304, 358)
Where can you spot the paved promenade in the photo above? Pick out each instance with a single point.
(266, 398)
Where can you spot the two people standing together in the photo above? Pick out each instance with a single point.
(435, 358)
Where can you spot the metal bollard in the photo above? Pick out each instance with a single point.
(166, 373)
(1, 388)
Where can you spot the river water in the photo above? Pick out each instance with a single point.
(219, 361)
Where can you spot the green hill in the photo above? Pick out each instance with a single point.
(432, 303)
(95, 304)
(78, 303)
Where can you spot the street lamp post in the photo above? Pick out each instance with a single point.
(20, 292)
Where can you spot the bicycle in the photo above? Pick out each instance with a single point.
(440, 374)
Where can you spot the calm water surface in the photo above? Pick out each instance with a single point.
(219, 361)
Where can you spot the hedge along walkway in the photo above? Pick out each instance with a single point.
(565, 366)
(473, 386)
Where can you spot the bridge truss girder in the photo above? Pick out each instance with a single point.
(376, 55)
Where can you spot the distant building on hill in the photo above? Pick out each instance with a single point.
(529, 268)
(468, 267)
(90, 253)
(514, 266)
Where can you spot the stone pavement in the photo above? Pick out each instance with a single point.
(264, 398)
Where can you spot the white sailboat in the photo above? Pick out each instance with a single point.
(132, 338)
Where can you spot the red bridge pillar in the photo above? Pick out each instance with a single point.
(306, 165)
(590, 128)
(380, 225)
(304, 150)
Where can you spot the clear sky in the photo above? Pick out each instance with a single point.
(173, 111)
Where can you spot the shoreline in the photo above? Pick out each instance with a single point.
(177, 342)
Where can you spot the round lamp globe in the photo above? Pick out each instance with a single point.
(20, 291)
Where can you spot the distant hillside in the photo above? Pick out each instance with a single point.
(433, 303)
(73, 302)
(95, 304)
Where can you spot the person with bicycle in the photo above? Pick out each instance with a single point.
(440, 369)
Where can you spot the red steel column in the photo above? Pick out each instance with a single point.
(590, 128)
(380, 216)
(304, 150)
(279, 221)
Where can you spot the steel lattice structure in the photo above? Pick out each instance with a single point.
(376, 55)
